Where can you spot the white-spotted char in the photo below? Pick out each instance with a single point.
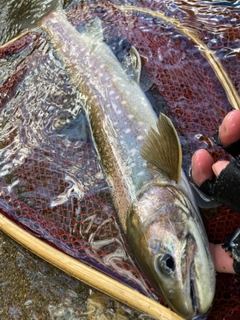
(142, 159)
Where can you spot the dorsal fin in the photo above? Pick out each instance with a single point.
(162, 149)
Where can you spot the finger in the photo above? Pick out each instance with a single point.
(202, 166)
(219, 166)
(222, 260)
(229, 131)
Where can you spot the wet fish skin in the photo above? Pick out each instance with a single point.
(118, 124)
(168, 242)
(161, 223)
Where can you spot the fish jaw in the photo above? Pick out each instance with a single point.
(173, 250)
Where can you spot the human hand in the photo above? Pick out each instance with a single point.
(226, 187)
(204, 169)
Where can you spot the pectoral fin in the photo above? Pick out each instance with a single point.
(132, 64)
(162, 149)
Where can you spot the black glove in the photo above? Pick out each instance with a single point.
(233, 149)
(232, 244)
(226, 187)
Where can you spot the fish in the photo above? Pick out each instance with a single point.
(142, 159)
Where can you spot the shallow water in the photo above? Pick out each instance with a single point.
(32, 289)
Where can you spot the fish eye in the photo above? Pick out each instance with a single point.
(166, 264)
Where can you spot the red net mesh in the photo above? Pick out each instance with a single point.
(46, 141)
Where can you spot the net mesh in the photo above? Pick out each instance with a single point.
(47, 154)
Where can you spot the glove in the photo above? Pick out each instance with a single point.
(226, 187)
(232, 243)
(233, 149)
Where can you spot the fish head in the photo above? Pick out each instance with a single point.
(169, 241)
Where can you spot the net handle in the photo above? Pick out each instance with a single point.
(85, 273)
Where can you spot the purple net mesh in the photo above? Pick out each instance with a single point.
(47, 155)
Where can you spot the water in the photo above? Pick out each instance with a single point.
(32, 289)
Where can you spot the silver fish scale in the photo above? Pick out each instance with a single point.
(118, 109)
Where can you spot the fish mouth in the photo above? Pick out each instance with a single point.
(193, 291)
(190, 248)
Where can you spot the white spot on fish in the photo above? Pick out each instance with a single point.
(124, 102)
(140, 138)
(119, 111)
(141, 173)
(133, 151)
(130, 116)
(132, 165)
(128, 131)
